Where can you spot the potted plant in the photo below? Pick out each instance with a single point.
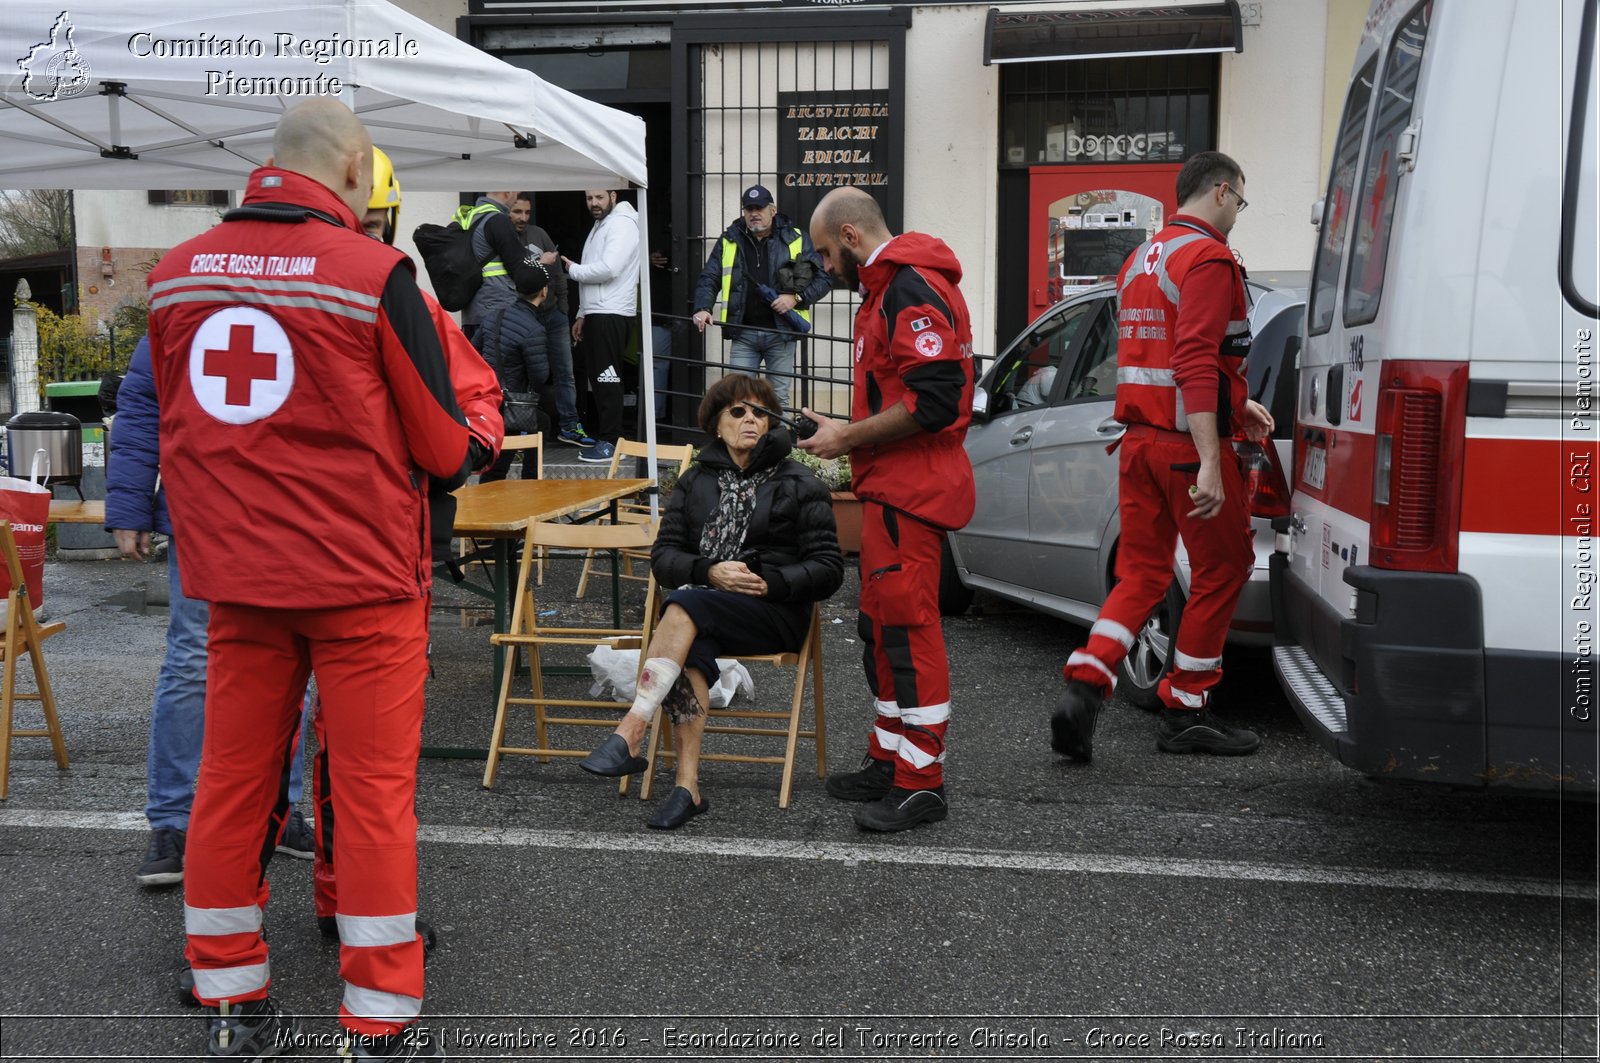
(835, 475)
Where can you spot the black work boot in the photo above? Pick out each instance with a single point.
(901, 809)
(1072, 723)
(254, 1029)
(1188, 731)
(414, 1042)
(872, 782)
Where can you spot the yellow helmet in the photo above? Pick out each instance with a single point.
(385, 193)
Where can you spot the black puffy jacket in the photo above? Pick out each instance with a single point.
(512, 341)
(791, 530)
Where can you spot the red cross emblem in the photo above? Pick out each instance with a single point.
(1151, 257)
(240, 364)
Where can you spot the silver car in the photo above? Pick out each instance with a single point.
(1046, 527)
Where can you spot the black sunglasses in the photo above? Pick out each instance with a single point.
(802, 427)
(738, 412)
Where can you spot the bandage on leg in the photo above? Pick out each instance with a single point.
(655, 679)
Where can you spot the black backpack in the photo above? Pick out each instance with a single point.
(446, 251)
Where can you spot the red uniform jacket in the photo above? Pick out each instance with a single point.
(913, 344)
(1182, 329)
(304, 404)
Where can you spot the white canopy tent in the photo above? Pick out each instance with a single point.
(187, 93)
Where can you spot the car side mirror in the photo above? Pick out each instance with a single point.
(980, 404)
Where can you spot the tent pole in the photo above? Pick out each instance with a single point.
(647, 375)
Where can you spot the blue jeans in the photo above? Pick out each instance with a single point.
(558, 345)
(661, 342)
(749, 347)
(178, 716)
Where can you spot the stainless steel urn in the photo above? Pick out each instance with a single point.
(47, 442)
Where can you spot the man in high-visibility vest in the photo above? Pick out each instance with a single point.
(506, 262)
(761, 248)
(1183, 333)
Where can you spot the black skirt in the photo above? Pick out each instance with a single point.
(729, 624)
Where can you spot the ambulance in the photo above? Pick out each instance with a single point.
(1434, 585)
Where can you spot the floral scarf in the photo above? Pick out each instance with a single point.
(723, 536)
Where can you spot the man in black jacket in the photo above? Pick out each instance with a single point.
(553, 316)
(515, 344)
(761, 248)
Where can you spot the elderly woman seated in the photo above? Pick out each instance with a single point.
(748, 538)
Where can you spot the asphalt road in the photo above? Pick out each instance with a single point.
(1145, 906)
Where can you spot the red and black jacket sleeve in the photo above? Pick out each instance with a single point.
(926, 351)
(414, 364)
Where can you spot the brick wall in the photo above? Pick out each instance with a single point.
(98, 295)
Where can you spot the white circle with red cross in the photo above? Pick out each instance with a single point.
(1151, 257)
(241, 366)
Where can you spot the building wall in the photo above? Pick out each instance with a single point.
(137, 234)
(1345, 19)
(952, 137)
(1270, 121)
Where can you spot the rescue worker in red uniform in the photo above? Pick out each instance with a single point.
(1183, 333)
(292, 354)
(912, 404)
(477, 392)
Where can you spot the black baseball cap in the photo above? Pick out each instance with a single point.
(755, 196)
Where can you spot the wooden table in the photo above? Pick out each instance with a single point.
(75, 511)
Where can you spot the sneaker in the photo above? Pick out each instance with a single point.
(575, 436)
(902, 809)
(1072, 723)
(600, 453)
(872, 783)
(297, 840)
(413, 1042)
(254, 1029)
(163, 859)
(186, 986)
(1187, 731)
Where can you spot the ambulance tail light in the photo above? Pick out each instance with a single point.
(1416, 488)
(1266, 491)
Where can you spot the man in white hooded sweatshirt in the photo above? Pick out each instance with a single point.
(608, 305)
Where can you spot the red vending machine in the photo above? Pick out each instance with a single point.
(1084, 222)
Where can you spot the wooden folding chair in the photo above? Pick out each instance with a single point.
(477, 549)
(24, 635)
(635, 511)
(808, 658)
(535, 443)
(528, 634)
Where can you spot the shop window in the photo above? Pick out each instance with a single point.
(1370, 240)
(1336, 205)
(1095, 111)
(189, 197)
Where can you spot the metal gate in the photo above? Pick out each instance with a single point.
(801, 103)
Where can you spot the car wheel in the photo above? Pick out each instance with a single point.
(1151, 656)
(954, 598)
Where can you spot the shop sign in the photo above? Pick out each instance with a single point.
(829, 140)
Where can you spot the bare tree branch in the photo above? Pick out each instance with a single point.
(35, 221)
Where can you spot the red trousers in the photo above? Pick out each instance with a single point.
(903, 644)
(370, 662)
(1156, 471)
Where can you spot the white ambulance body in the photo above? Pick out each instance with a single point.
(1434, 588)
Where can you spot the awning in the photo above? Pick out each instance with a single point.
(1108, 33)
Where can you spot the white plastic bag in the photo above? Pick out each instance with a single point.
(615, 672)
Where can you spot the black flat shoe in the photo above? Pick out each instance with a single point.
(678, 809)
(612, 759)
